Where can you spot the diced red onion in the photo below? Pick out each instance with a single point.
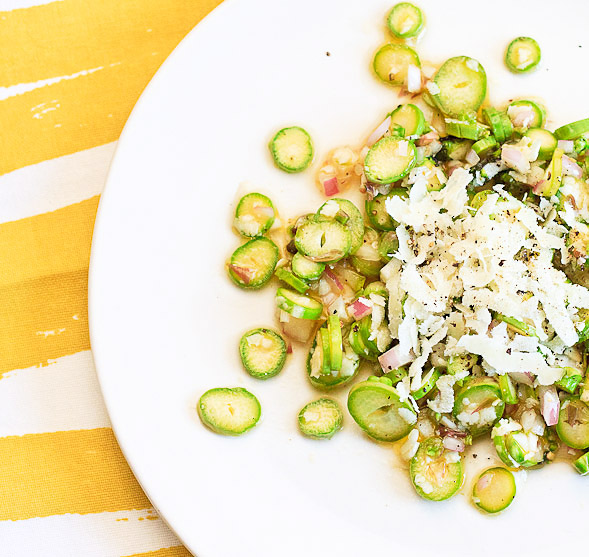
(328, 298)
(521, 115)
(570, 167)
(378, 132)
(524, 377)
(367, 251)
(446, 431)
(264, 211)
(472, 157)
(514, 158)
(334, 279)
(435, 147)
(244, 273)
(338, 307)
(567, 145)
(454, 444)
(331, 186)
(493, 324)
(538, 187)
(393, 359)
(359, 310)
(484, 481)
(528, 419)
(571, 199)
(299, 330)
(413, 78)
(427, 138)
(451, 166)
(371, 191)
(549, 404)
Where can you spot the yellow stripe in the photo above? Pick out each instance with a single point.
(43, 319)
(48, 244)
(176, 551)
(129, 40)
(65, 472)
(44, 286)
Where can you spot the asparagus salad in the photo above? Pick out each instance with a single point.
(460, 287)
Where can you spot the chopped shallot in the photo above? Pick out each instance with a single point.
(448, 432)
(244, 273)
(413, 78)
(359, 310)
(378, 132)
(472, 157)
(451, 166)
(538, 187)
(393, 359)
(427, 138)
(264, 211)
(570, 167)
(549, 404)
(521, 115)
(334, 279)
(454, 444)
(526, 377)
(484, 481)
(331, 186)
(513, 157)
(299, 330)
(338, 307)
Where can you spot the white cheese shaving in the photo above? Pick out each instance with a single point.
(247, 224)
(472, 64)
(444, 400)
(479, 418)
(508, 360)
(407, 416)
(455, 266)
(451, 457)
(416, 366)
(432, 87)
(411, 445)
(349, 364)
(392, 278)
(255, 339)
(505, 426)
(329, 209)
(421, 482)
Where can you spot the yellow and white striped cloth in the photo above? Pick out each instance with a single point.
(70, 73)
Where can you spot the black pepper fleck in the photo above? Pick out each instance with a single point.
(328, 53)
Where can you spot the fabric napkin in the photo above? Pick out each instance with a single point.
(70, 73)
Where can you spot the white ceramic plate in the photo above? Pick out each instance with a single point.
(165, 320)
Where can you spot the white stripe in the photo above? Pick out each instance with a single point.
(21, 88)
(56, 183)
(89, 535)
(7, 5)
(62, 396)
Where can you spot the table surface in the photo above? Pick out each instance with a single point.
(70, 74)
